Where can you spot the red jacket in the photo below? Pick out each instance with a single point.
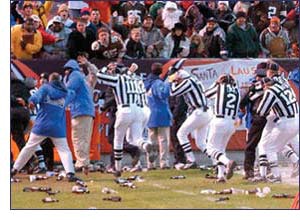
(47, 38)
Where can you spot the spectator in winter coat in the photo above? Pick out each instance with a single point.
(151, 37)
(224, 15)
(134, 47)
(57, 28)
(80, 40)
(63, 13)
(242, 40)
(275, 40)
(41, 9)
(82, 113)
(25, 40)
(193, 18)
(160, 120)
(108, 46)
(213, 39)
(47, 37)
(258, 15)
(133, 8)
(176, 44)
(95, 19)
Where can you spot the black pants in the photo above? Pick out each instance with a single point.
(19, 121)
(254, 135)
(178, 151)
(132, 150)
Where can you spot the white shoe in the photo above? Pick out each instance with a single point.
(179, 166)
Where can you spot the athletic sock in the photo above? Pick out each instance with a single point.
(263, 162)
(188, 152)
(118, 154)
(41, 159)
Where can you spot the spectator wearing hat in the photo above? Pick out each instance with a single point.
(241, 6)
(63, 13)
(170, 15)
(156, 8)
(176, 44)
(27, 10)
(85, 14)
(80, 40)
(242, 40)
(160, 119)
(61, 33)
(275, 40)
(254, 123)
(151, 37)
(25, 40)
(108, 46)
(224, 15)
(134, 47)
(213, 37)
(47, 37)
(75, 7)
(193, 18)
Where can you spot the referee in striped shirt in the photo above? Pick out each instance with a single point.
(226, 94)
(186, 85)
(279, 100)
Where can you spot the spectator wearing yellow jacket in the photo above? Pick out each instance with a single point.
(25, 40)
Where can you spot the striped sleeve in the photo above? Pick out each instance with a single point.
(211, 91)
(181, 88)
(109, 80)
(266, 103)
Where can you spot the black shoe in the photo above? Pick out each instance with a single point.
(72, 178)
(230, 168)
(40, 170)
(13, 172)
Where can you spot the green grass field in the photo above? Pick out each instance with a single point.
(158, 191)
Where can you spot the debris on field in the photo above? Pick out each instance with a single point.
(80, 183)
(49, 200)
(177, 177)
(261, 194)
(51, 173)
(80, 190)
(128, 184)
(204, 167)
(51, 193)
(113, 199)
(36, 189)
(222, 199)
(225, 192)
(33, 178)
(15, 180)
(283, 196)
(208, 191)
(107, 190)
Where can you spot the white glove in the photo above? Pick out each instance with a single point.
(95, 46)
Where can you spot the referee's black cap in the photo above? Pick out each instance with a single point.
(273, 67)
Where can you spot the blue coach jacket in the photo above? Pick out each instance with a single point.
(158, 98)
(51, 118)
(82, 104)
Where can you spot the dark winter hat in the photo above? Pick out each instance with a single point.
(260, 73)
(179, 26)
(262, 65)
(148, 16)
(241, 14)
(212, 19)
(273, 67)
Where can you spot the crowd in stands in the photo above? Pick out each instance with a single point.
(154, 29)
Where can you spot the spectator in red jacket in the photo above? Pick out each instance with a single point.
(47, 38)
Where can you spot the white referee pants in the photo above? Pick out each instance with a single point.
(30, 147)
(197, 125)
(274, 138)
